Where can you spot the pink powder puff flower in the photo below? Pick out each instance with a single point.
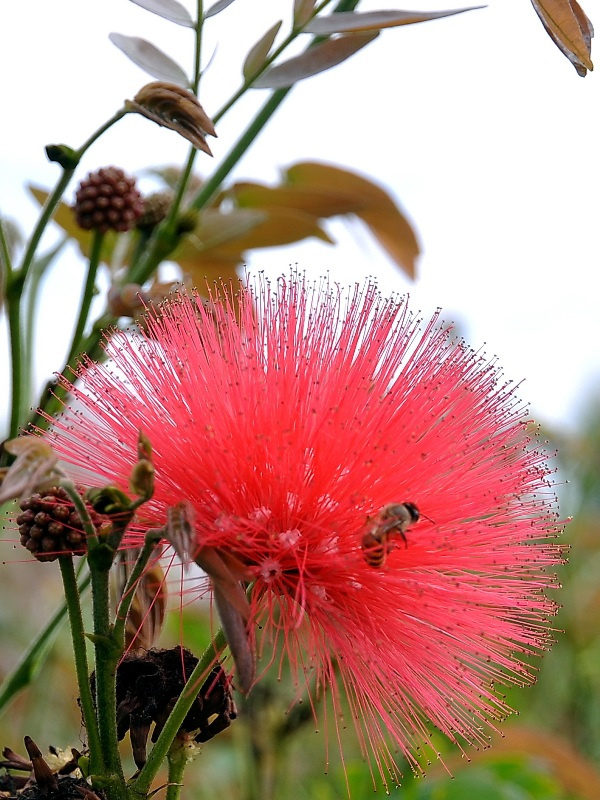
(289, 419)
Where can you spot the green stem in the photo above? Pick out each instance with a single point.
(46, 214)
(81, 663)
(107, 655)
(14, 291)
(141, 785)
(158, 242)
(54, 395)
(81, 509)
(213, 184)
(5, 259)
(248, 83)
(16, 280)
(88, 293)
(177, 760)
(164, 239)
(37, 273)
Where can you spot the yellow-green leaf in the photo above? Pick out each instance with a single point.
(373, 205)
(258, 54)
(346, 21)
(224, 238)
(320, 201)
(570, 29)
(316, 59)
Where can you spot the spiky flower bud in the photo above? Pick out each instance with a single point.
(108, 200)
(50, 526)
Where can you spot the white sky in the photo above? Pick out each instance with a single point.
(476, 124)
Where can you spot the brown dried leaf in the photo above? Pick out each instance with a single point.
(258, 54)
(570, 29)
(347, 21)
(316, 59)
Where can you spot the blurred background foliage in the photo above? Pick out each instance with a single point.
(276, 749)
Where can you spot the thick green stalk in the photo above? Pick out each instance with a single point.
(88, 293)
(81, 663)
(141, 785)
(177, 760)
(107, 655)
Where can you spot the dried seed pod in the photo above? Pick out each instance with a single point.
(174, 107)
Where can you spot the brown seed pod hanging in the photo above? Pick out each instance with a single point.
(174, 107)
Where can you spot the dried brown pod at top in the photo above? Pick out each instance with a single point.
(174, 107)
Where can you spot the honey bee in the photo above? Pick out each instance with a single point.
(391, 521)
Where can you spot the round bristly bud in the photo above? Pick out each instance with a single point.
(156, 207)
(108, 200)
(49, 525)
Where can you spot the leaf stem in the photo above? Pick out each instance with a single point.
(81, 663)
(141, 785)
(88, 293)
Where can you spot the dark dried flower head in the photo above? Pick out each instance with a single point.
(108, 200)
(148, 686)
(173, 107)
(50, 526)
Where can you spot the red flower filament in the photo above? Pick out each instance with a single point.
(289, 419)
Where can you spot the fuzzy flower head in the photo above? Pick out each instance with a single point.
(373, 476)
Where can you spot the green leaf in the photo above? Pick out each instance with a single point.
(258, 53)
(316, 59)
(303, 10)
(221, 5)
(149, 58)
(346, 21)
(34, 658)
(168, 9)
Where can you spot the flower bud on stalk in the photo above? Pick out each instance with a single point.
(108, 200)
